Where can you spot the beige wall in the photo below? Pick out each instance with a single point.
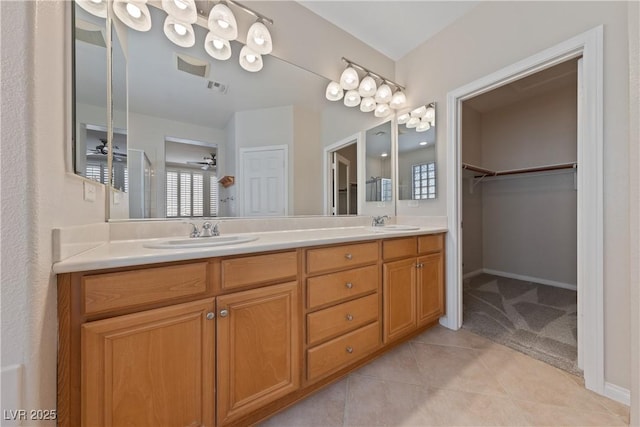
(472, 231)
(307, 163)
(494, 35)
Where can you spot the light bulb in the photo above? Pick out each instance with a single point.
(352, 98)
(334, 91)
(382, 110)
(251, 58)
(217, 47)
(423, 143)
(403, 118)
(96, 1)
(419, 112)
(349, 79)
(398, 100)
(413, 122)
(383, 94)
(218, 44)
(368, 104)
(430, 114)
(223, 24)
(259, 38)
(180, 29)
(367, 87)
(134, 10)
(423, 127)
(180, 4)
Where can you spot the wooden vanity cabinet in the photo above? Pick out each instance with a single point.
(258, 348)
(413, 283)
(153, 368)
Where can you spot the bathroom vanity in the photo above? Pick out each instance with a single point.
(231, 336)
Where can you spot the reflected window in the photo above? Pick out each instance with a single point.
(191, 194)
(424, 181)
(97, 171)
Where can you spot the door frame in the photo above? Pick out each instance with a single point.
(240, 182)
(336, 180)
(590, 211)
(356, 138)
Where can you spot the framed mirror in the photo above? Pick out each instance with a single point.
(417, 154)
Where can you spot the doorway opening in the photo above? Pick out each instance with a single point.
(589, 181)
(342, 177)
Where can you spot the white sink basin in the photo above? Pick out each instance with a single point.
(390, 228)
(200, 242)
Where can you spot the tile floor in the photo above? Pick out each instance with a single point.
(446, 378)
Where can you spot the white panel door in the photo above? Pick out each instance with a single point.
(264, 182)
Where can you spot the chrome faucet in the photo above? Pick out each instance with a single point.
(208, 230)
(378, 221)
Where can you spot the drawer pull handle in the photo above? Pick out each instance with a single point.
(224, 313)
(349, 349)
(348, 256)
(210, 315)
(349, 317)
(349, 285)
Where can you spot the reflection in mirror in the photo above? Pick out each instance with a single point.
(90, 92)
(417, 154)
(186, 94)
(378, 163)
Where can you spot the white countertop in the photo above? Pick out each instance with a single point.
(124, 253)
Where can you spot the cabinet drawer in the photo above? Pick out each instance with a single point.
(342, 351)
(341, 318)
(399, 248)
(112, 291)
(335, 287)
(337, 257)
(430, 243)
(256, 269)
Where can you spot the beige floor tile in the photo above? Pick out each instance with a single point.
(372, 402)
(459, 408)
(460, 338)
(529, 379)
(397, 365)
(454, 368)
(538, 414)
(323, 409)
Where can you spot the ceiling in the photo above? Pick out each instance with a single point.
(393, 28)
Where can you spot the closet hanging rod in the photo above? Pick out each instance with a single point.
(488, 172)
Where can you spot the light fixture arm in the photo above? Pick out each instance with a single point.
(371, 73)
(250, 11)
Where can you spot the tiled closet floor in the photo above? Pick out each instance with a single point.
(446, 378)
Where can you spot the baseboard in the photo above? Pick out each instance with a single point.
(617, 393)
(471, 274)
(530, 279)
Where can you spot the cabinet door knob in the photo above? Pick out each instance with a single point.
(224, 313)
(348, 256)
(210, 315)
(349, 317)
(349, 349)
(349, 285)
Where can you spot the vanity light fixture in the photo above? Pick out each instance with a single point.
(368, 104)
(352, 98)
(222, 22)
(259, 38)
(180, 33)
(423, 126)
(250, 60)
(181, 10)
(217, 47)
(430, 114)
(374, 92)
(133, 13)
(413, 122)
(95, 7)
(403, 118)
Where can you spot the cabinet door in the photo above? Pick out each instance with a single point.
(153, 368)
(399, 294)
(258, 348)
(430, 288)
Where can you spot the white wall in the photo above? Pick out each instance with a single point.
(472, 219)
(494, 35)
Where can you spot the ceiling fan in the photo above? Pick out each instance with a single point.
(209, 162)
(102, 149)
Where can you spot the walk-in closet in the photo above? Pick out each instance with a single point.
(519, 214)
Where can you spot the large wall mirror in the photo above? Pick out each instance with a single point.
(417, 154)
(196, 136)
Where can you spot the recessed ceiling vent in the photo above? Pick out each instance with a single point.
(218, 87)
(90, 33)
(191, 65)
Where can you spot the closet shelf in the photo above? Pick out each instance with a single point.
(545, 168)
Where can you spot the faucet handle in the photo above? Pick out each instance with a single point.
(194, 230)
